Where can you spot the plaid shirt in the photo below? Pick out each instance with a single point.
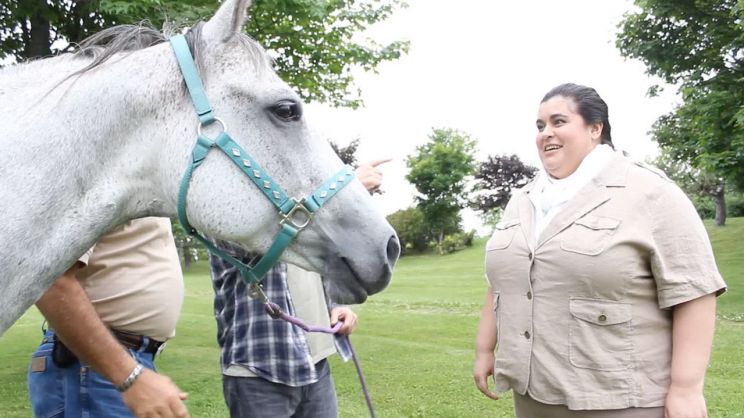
(272, 349)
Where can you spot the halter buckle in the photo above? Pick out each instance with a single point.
(298, 208)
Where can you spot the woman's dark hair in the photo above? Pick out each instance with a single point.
(589, 105)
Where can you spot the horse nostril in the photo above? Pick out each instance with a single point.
(393, 250)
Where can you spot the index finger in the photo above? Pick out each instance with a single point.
(375, 163)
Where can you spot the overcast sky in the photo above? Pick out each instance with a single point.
(482, 66)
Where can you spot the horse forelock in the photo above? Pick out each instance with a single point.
(105, 44)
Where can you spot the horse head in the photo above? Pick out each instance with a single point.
(347, 240)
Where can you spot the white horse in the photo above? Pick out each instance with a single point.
(92, 140)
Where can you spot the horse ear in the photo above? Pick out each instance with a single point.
(229, 20)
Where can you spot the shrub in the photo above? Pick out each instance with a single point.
(411, 228)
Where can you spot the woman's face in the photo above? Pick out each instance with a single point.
(563, 137)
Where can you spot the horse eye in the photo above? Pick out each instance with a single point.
(287, 110)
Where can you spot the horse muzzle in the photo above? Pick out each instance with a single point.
(350, 282)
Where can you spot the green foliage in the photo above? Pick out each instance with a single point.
(735, 205)
(29, 27)
(411, 228)
(707, 210)
(316, 43)
(453, 242)
(697, 44)
(438, 170)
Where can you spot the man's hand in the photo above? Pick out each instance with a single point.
(482, 370)
(370, 175)
(155, 395)
(345, 315)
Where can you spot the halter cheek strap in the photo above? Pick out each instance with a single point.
(295, 214)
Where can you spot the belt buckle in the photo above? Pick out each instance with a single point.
(160, 349)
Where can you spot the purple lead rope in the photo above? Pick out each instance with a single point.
(276, 312)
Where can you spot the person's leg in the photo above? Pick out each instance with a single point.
(99, 398)
(319, 398)
(46, 386)
(526, 407)
(254, 397)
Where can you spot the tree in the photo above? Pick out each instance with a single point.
(438, 170)
(347, 154)
(315, 43)
(495, 180)
(695, 182)
(697, 45)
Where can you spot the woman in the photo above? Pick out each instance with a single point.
(602, 281)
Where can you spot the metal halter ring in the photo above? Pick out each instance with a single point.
(289, 217)
(218, 120)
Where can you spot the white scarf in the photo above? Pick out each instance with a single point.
(550, 195)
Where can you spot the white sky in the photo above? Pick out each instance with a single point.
(482, 66)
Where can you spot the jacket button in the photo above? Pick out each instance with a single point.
(527, 335)
(602, 318)
(529, 295)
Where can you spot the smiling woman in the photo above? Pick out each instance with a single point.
(571, 121)
(611, 281)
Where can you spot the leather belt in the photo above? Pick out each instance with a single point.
(135, 341)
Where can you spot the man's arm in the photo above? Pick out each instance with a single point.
(70, 313)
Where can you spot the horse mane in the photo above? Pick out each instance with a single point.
(103, 45)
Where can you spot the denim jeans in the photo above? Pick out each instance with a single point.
(75, 391)
(254, 397)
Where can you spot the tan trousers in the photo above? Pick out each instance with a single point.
(526, 407)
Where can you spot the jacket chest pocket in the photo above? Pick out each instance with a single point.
(600, 334)
(589, 235)
(503, 234)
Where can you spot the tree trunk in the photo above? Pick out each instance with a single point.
(720, 200)
(39, 41)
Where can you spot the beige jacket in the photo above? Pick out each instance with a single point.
(582, 314)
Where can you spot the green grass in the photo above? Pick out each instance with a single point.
(415, 343)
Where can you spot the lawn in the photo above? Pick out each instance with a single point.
(415, 343)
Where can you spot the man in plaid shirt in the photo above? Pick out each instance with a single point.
(270, 367)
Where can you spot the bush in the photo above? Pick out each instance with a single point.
(454, 242)
(735, 205)
(704, 206)
(412, 231)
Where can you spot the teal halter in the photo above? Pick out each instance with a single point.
(295, 214)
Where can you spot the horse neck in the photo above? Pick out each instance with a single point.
(82, 156)
(106, 127)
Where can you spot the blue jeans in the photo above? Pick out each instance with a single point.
(75, 391)
(254, 397)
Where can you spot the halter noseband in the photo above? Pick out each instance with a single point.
(296, 214)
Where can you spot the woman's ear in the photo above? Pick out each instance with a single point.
(595, 130)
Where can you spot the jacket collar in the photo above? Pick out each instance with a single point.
(592, 195)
